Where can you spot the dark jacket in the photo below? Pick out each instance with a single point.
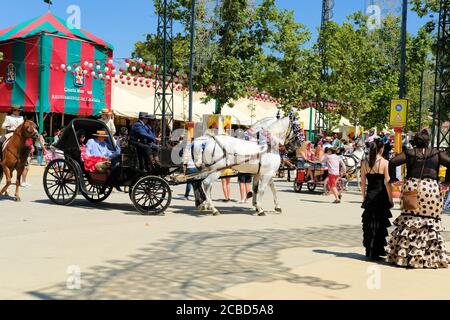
(142, 133)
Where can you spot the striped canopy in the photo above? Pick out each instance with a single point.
(50, 24)
(34, 50)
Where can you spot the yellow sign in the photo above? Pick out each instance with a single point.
(399, 112)
(213, 121)
(226, 124)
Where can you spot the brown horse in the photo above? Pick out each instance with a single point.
(15, 154)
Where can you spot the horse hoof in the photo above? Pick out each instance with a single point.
(261, 214)
(17, 199)
(216, 214)
(279, 210)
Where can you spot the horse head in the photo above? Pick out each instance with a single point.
(28, 130)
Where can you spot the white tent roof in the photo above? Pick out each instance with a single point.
(128, 101)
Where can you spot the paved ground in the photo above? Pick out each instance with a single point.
(311, 251)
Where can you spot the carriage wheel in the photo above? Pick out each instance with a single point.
(298, 186)
(94, 195)
(151, 195)
(61, 182)
(340, 185)
(311, 186)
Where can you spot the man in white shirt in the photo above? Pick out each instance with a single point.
(12, 122)
(108, 119)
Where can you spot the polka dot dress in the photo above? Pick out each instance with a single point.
(416, 241)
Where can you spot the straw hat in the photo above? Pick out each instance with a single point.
(101, 133)
(106, 111)
(14, 108)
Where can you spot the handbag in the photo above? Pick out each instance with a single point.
(410, 199)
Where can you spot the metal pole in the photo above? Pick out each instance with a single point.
(191, 62)
(421, 100)
(163, 125)
(310, 134)
(402, 90)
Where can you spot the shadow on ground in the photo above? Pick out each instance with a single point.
(201, 265)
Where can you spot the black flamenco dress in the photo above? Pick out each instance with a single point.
(376, 216)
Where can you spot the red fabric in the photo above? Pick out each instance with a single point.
(5, 88)
(332, 180)
(58, 78)
(29, 142)
(32, 74)
(91, 161)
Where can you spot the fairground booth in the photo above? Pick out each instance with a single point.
(53, 70)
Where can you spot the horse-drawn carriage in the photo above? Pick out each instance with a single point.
(320, 179)
(66, 177)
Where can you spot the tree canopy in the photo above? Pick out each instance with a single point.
(245, 46)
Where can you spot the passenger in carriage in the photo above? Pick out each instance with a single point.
(98, 149)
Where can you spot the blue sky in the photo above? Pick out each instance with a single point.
(122, 23)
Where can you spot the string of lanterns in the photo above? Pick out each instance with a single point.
(135, 73)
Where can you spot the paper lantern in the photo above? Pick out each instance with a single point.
(91, 65)
(111, 61)
(95, 76)
(127, 65)
(106, 69)
(108, 77)
(75, 65)
(93, 73)
(140, 60)
(85, 71)
(63, 66)
(141, 70)
(97, 62)
(98, 67)
(133, 68)
(69, 68)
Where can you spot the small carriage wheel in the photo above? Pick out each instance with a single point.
(61, 182)
(298, 186)
(311, 186)
(94, 194)
(151, 195)
(340, 185)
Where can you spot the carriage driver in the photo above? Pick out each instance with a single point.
(142, 136)
(12, 122)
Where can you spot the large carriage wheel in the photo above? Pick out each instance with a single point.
(94, 195)
(61, 182)
(151, 195)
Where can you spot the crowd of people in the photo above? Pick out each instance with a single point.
(416, 241)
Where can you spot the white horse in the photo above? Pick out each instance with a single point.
(353, 163)
(219, 152)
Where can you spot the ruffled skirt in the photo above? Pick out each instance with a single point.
(375, 230)
(416, 241)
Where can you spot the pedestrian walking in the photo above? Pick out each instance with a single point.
(190, 167)
(226, 181)
(377, 201)
(40, 147)
(335, 166)
(244, 180)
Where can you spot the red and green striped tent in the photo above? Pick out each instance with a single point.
(36, 48)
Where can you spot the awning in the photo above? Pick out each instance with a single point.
(128, 101)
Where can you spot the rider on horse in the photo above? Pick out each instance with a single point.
(11, 123)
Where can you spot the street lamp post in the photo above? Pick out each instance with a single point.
(191, 61)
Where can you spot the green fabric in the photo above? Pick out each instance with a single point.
(18, 91)
(46, 43)
(73, 56)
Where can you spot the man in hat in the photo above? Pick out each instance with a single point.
(143, 137)
(98, 147)
(327, 144)
(108, 119)
(12, 121)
